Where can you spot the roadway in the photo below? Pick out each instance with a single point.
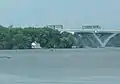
(91, 31)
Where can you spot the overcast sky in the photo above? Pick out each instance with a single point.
(70, 13)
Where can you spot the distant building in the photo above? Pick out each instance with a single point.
(55, 26)
(35, 45)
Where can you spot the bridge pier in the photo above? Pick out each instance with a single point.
(103, 44)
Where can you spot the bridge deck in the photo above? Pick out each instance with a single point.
(88, 30)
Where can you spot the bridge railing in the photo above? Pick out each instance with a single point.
(90, 30)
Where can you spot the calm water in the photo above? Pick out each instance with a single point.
(70, 66)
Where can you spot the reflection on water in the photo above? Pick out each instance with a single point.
(78, 66)
(7, 57)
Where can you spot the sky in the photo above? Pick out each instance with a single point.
(70, 13)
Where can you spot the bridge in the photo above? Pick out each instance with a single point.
(90, 31)
(95, 37)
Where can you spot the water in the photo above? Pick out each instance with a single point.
(67, 66)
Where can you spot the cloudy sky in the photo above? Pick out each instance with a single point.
(70, 13)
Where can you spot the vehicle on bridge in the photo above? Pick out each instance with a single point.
(91, 27)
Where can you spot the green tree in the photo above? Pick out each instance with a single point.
(21, 38)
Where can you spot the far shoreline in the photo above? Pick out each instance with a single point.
(57, 49)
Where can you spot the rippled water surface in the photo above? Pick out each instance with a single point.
(66, 66)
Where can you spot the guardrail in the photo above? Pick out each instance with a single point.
(89, 30)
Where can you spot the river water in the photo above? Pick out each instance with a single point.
(61, 66)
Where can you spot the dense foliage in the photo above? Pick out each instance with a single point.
(21, 38)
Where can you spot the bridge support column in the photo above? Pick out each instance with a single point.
(99, 40)
(103, 44)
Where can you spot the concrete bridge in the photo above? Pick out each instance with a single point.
(99, 37)
(90, 30)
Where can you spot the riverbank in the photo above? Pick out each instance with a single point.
(63, 49)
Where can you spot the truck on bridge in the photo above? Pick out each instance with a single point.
(91, 27)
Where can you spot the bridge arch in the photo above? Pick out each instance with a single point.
(103, 44)
(109, 38)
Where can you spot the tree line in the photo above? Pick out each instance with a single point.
(21, 38)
